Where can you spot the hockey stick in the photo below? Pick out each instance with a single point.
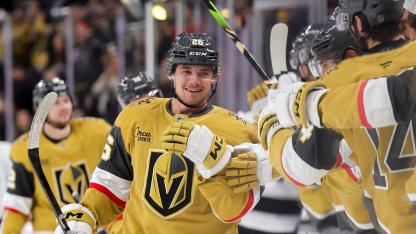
(231, 34)
(278, 40)
(34, 137)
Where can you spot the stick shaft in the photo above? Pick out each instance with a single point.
(231, 34)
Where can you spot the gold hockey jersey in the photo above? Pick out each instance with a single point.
(67, 165)
(162, 192)
(385, 147)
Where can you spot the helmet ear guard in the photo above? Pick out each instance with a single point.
(371, 12)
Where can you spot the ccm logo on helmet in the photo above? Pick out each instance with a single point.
(198, 53)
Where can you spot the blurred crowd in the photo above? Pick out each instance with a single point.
(38, 45)
(39, 48)
(38, 42)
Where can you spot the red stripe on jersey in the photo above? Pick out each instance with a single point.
(288, 176)
(349, 172)
(339, 160)
(108, 193)
(361, 107)
(117, 219)
(245, 210)
(6, 208)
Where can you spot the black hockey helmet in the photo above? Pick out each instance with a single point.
(193, 49)
(46, 86)
(303, 43)
(135, 86)
(377, 12)
(332, 43)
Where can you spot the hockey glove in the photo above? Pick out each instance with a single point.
(248, 168)
(210, 153)
(257, 97)
(80, 220)
(268, 125)
(297, 103)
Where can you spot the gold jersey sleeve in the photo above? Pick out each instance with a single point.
(165, 194)
(348, 80)
(371, 66)
(13, 222)
(67, 165)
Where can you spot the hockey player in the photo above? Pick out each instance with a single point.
(330, 48)
(300, 54)
(132, 89)
(378, 151)
(135, 88)
(163, 184)
(409, 18)
(69, 151)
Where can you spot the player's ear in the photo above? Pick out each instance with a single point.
(405, 16)
(349, 53)
(303, 70)
(359, 25)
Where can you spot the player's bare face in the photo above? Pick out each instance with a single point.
(60, 113)
(326, 64)
(193, 83)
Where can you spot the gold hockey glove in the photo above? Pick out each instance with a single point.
(249, 169)
(79, 219)
(296, 103)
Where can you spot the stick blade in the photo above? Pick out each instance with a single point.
(278, 41)
(40, 116)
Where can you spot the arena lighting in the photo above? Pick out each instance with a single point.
(159, 12)
(226, 13)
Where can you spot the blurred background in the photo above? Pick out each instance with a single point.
(93, 43)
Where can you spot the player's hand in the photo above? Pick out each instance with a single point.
(248, 168)
(257, 97)
(208, 152)
(297, 103)
(80, 220)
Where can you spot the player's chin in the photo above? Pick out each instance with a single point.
(195, 99)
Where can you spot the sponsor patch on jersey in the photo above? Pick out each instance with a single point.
(142, 136)
(71, 181)
(237, 117)
(168, 183)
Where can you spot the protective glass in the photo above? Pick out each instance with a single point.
(319, 67)
(313, 65)
(304, 55)
(293, 61)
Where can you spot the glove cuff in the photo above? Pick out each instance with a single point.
(77, 212)
(264, 171)
(312, 102)
(199, 142)
(299, 105)
(208, 173)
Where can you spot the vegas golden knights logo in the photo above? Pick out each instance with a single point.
(71, 181)
(169, 179)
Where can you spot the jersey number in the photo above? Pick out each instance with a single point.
(107, 148)
(395, 160)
